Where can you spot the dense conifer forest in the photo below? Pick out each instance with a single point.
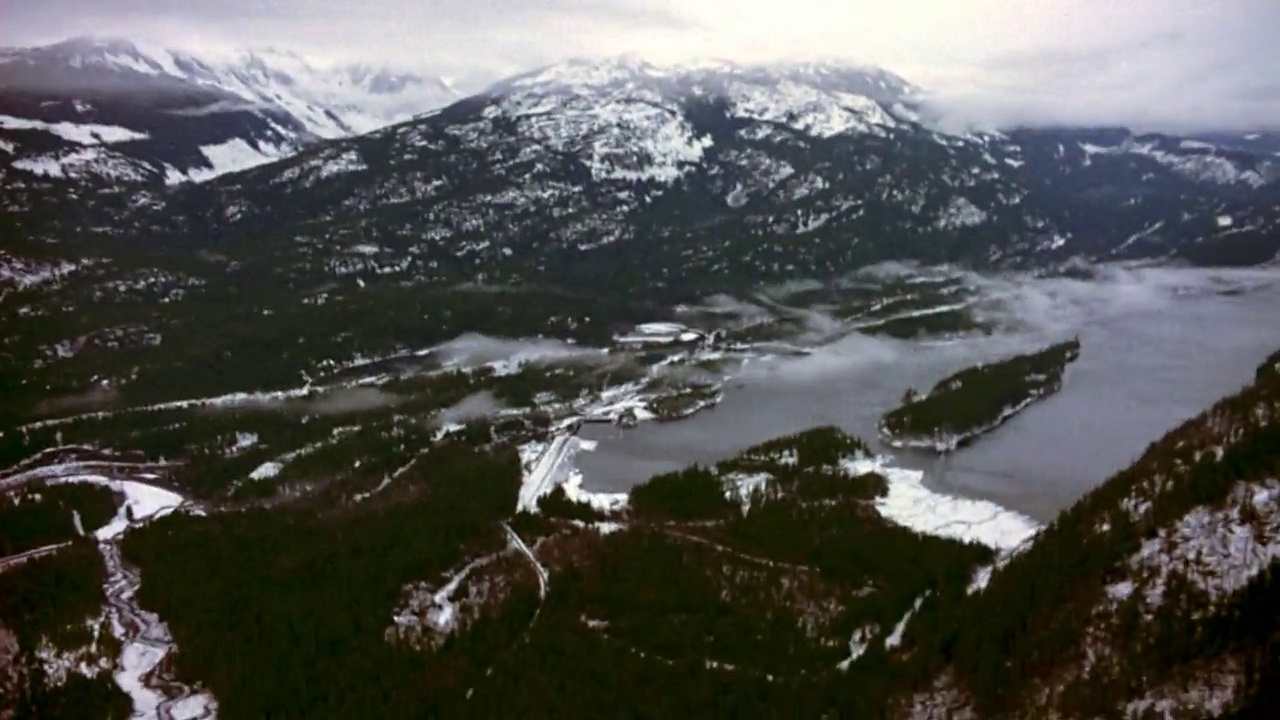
(978, 399)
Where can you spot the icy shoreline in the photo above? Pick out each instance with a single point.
(910, 504)
(942, 444)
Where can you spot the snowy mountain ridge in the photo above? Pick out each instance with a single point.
(330, 101)
(205, 115)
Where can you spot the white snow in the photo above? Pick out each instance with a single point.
(550, 465)
(244, 441)
(266, 471)
(80, 133)
(895, 638)
(346, 162)
(1225, 221)
(1200, 167)
(910, 504)
(1219, 550)
(26, 273)
(982, 576)
(1211, 692)
(808, 108)
(136, 660)
(329, 101)
(145, 643)
(366, 249)
(1144, 233)
(142, 502)
(237, 154)
(83, 162)
(739, 487)
(658, 333)
(858, 644)
(960, 213)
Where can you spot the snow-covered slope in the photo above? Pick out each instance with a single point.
(1155, 596)
(185, 116)
(727, 174)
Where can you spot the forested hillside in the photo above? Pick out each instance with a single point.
(1154, 596)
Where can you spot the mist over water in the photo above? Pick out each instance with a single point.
(1159, 345)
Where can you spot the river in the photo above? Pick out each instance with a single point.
(1159, 346)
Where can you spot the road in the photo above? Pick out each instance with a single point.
(13, 561)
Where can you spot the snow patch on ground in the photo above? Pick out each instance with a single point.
(960, 213)
(1219, 550)
(83, 163)
(548, 465)
(142, 502)
(812, 110)
(1200, 166)
(235, 155)
(740, 487)
(982, 576)
(266, 471)
(895, 637)
(244, 441)
(859, 642)
(79, 133)
(24, 273)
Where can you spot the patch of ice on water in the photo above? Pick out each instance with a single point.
(911, 504)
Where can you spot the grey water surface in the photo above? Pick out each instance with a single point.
(1158, 347)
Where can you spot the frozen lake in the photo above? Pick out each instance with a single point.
(1158, 346)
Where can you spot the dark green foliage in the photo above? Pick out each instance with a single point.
(973, 399)
(300, 601)
(46, 596)
(27, 523)
(557, 504)
(696, 493)
(78, 698)
(1270, 366)
(818, 448)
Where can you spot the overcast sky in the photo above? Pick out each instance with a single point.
(1151, 63)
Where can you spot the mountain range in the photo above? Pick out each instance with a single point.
(126, 111)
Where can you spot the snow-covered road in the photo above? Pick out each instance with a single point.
(13, 561)
(544, 578)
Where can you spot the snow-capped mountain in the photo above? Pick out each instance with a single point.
(695, 178)
(174, 115)
(726, 174)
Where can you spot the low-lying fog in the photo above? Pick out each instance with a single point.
(1159, 346)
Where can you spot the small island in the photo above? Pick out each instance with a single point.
(976, 400)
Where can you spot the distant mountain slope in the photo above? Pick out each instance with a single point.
(623, 177)
(117, 110)
(711, 177)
